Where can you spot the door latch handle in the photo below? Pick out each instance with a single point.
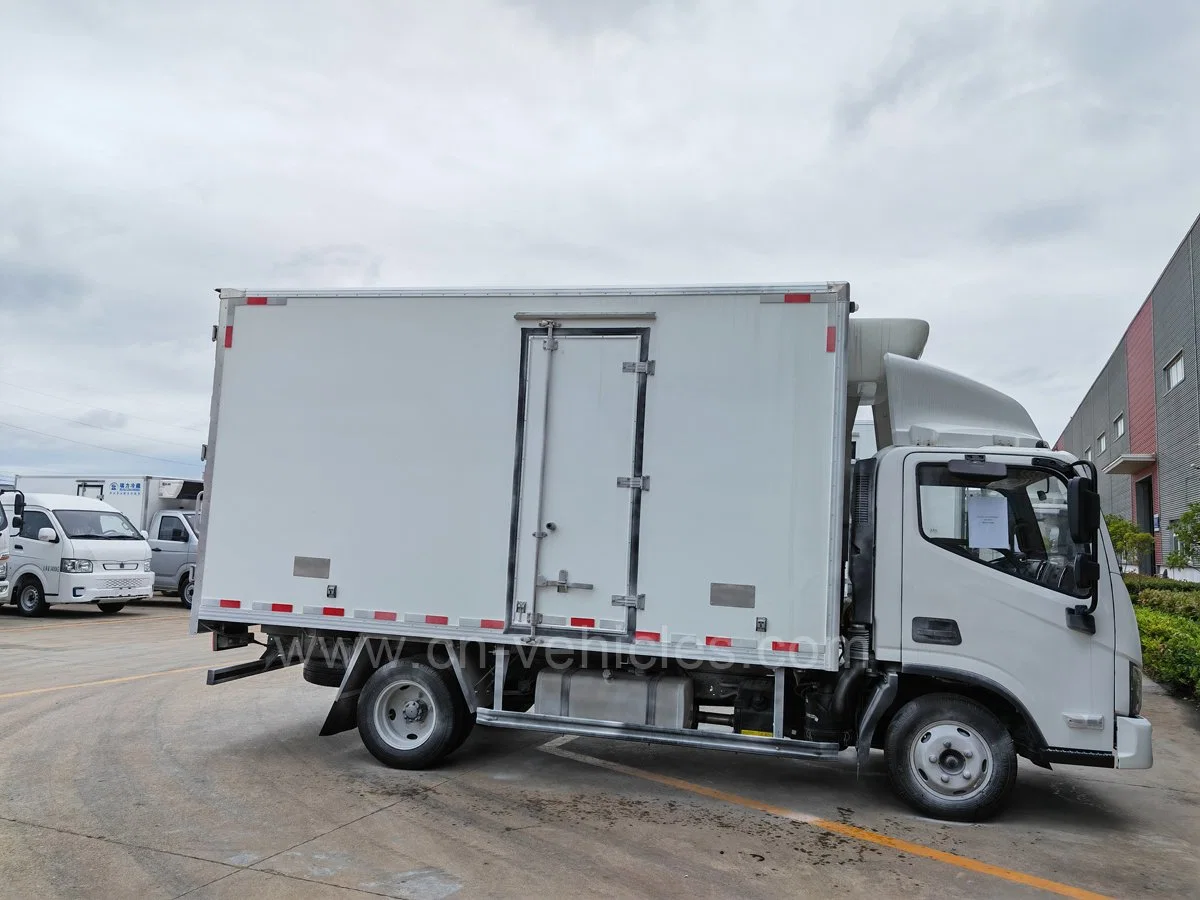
(562, 585)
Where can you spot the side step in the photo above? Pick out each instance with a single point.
(684, 737)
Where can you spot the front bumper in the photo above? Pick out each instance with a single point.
(1134, 750)
(103, 588)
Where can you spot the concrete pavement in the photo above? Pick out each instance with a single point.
(122, 774)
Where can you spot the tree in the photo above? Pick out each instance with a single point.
(1130, 543)
(1187, 539)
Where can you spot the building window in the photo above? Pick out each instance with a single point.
(1119, 425)
(1101, 443)
(1088, 454)
(1174, 371)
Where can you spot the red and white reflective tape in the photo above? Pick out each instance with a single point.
(583, 623)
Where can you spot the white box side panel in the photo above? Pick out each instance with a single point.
(334, 442)
(128, 497)
(739, 448)
(377, 434)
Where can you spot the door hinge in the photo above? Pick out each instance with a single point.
(638, 368)
(637, 483)
(634, 601)
(216, 330)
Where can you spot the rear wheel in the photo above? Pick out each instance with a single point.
(407, 715)
(31, 599)
(110, 608)
(951, 758)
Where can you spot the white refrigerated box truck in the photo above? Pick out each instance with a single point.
(167, 510)
(631, 513)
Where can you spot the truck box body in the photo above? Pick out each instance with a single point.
(138, 497)
(464, 448)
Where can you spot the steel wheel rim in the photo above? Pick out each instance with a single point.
(187, 593)
(951, 761)
(405, 715)
(29, 598)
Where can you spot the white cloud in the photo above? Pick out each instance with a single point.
(1016, 173)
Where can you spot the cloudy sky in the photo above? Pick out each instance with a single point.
(1017, 173)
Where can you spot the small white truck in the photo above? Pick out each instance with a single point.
(166, 510)
(632, 513)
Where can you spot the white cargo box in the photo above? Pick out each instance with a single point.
(661, 468)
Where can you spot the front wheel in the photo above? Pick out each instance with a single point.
(951, 758)
(186, 590)
(31, 599)
(110, 608)
(407, 715)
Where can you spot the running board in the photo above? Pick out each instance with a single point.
(685, 737)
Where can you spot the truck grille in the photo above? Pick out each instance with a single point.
(123, 584)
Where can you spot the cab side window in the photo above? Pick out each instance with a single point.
(34, 522)
(170, 528)
(1015, 523)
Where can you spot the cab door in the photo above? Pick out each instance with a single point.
(45, 556)
(985, 590)
(169, 545)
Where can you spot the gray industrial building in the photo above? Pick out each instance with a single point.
(1140, 420)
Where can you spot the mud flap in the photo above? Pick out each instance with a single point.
(884, 695)
(343, 714)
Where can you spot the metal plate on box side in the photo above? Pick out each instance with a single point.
(737, 595)
(310, 567)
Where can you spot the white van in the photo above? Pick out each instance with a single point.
(75, 550)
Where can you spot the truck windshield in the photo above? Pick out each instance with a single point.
(1016, 524)
(96, 525)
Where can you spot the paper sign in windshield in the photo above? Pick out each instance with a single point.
(987, 523)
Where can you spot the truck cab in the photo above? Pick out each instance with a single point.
(173, 546)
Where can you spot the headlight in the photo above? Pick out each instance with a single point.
(1135, 689)
(77, 566)
(145, 565)
(3, 570)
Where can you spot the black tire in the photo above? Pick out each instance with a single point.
(31, 599)
(326, 658)
(974, 761)
(464, 722)
(186, 589)
(407, 715)
(110, 608)
(320, 673)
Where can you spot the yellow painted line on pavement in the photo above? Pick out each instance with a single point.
(555, 747)
(107, 620)
(85, 684)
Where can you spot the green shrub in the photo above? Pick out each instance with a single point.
(1170, 649)
(1185, 604)
(1135, 584)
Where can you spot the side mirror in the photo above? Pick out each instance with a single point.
(145, 535)
(18, 507)
(1083, 510)
(47, 535)
(16, 522)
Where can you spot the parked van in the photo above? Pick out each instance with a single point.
(167, 509)
(72, 549)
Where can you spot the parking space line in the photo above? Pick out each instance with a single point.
(84, 684)
(555, 747)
